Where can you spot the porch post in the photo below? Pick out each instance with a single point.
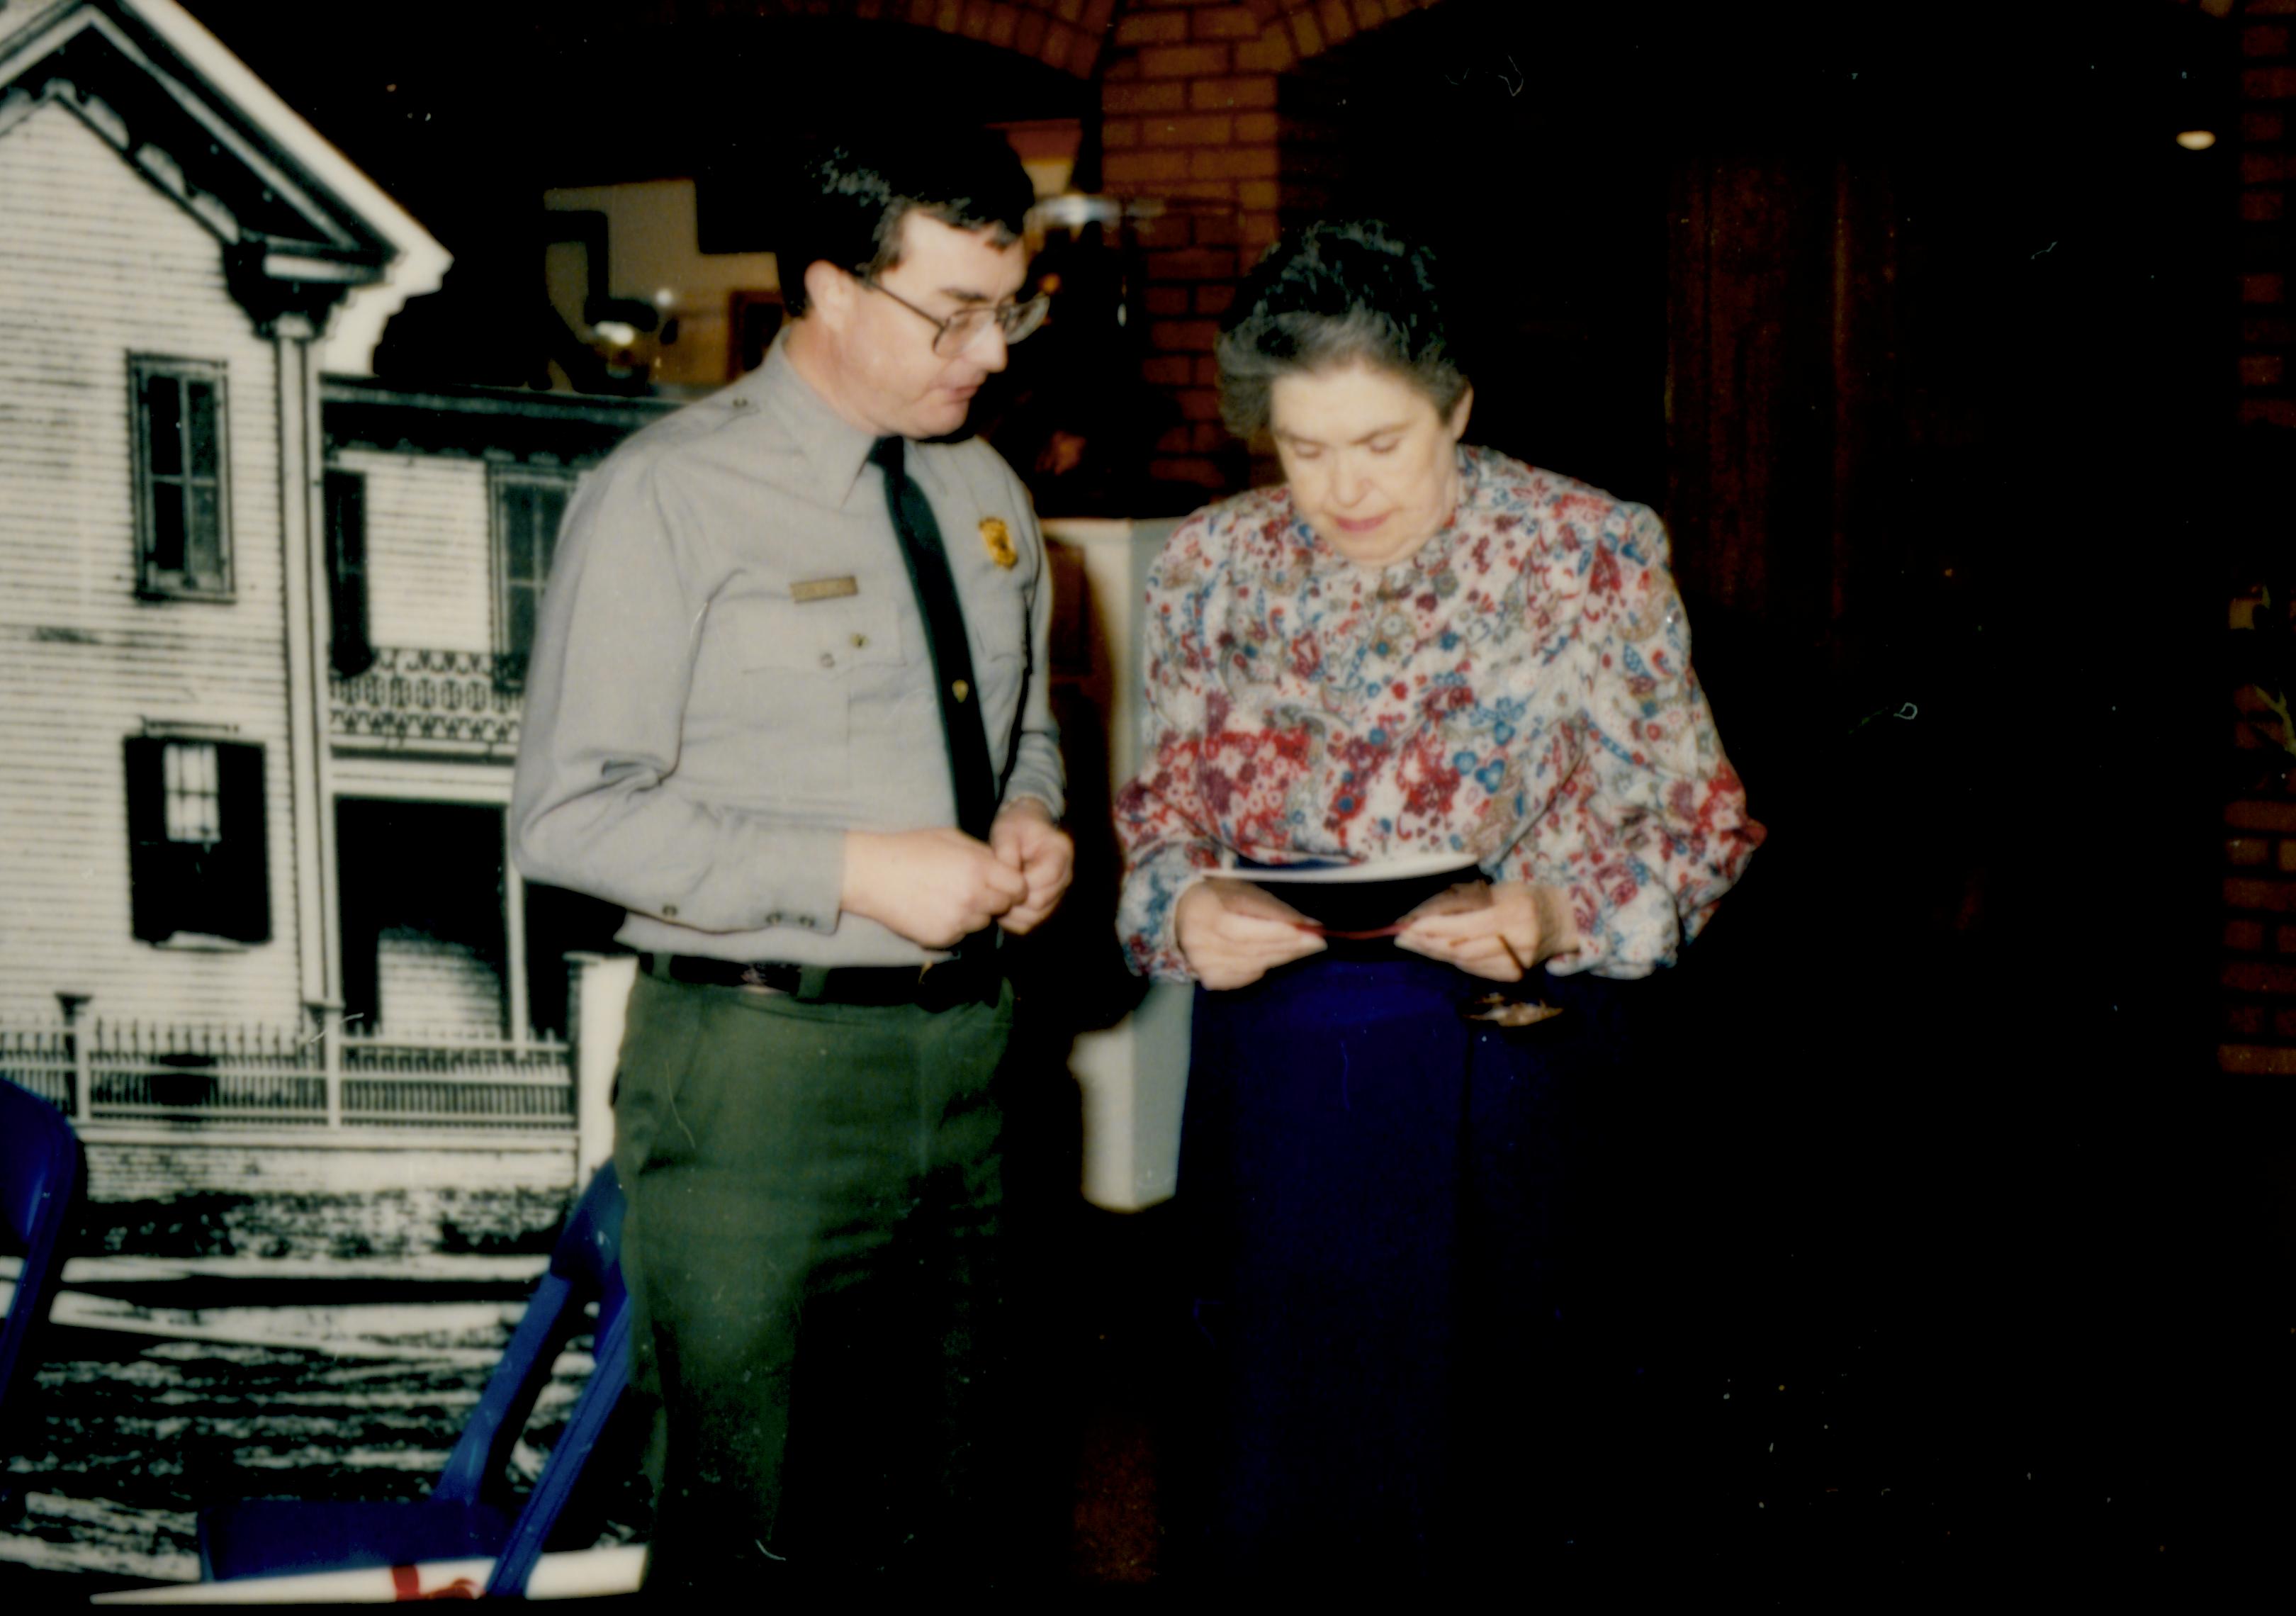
(80, 1101)
(598, 996)
(327, 1030)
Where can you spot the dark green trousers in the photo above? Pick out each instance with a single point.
(814, 1194)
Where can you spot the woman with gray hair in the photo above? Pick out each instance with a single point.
(1410, 656)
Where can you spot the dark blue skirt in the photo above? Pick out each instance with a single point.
(1372, 1195)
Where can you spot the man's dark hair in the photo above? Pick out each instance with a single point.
(1332, 294)
(851, 194)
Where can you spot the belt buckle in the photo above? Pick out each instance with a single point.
(752, 977)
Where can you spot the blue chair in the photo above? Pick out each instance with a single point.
(471, 1511)
(39, 1184)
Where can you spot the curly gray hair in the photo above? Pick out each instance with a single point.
(1330, 295)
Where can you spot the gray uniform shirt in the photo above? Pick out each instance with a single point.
(730, 673)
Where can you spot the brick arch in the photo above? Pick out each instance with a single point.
(1064, 35)
(1307, 28)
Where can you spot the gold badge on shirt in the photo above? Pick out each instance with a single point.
(998, 537)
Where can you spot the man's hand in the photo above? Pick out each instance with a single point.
(1233, 934)
(1025, 839)
(1532, 922)
(934, 887)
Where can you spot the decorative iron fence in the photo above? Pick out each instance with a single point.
(453, 700)
(133, 1070)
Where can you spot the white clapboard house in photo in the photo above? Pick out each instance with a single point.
(261, 635)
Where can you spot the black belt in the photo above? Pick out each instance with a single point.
(937, 985)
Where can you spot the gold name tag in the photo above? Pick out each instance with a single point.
(823, 590)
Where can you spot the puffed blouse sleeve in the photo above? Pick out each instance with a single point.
(1650, 829)
(1163, 825)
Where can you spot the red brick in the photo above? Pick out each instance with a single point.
(1256, 130)
(1183, 336)
(1096, 14)
(1216, 299)
(1217, 95)
(2284, 1022)
(1069, 10)
(1215, 229)
(1152, 28)
(1165, 302)
(2288, 856)
(1031, 34)
(1148, 166)
(2263, 207)
(2284, 939)
(1211, 437)
(2248, 1020)
(977, 15)
(2269, 329)
(2241, 893)
(2262, 125)
(1120, 134)
(1200, 131)
(1259, 230)
(2258, 976)
(2262, 370)
(1271, 53)
(2271, 412)
(2252, 1060)
(1200, 404)
(1184, 61)
(2269, 84)
(1260, 193)
(1235, 162)
(2262, 288)
(1066, 49)
(1144, 98)
(1003, 27)
(1176, 440)
(1206, 373)
(2271, 8)
(2245, 936)
(2269, 40)
(2256, 814)
(1306, 35)
(1226, 22)
(1192, 264)
(1339, 24)
(2262, 167)
(2244, 850)
(945, 19)
(1172, 370)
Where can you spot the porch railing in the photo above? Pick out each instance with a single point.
(426, 700)
(140, 1072)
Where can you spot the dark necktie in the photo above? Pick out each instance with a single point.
(952, 657)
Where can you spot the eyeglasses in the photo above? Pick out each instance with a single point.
(955, 333)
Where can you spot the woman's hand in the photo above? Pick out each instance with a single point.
(1521, 927)
(1234, 933)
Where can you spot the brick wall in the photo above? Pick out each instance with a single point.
(2259, 942)
(1189, 117)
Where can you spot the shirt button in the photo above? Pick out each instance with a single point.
(960, 690)
(860, 640)
(828, 660)
(670, 911)
(773, 920)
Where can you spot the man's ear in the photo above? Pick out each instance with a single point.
(829, 290)
(1457, 424)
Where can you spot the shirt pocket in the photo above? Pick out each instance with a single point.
(813, 666)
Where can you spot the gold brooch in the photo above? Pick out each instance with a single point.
(998, 537)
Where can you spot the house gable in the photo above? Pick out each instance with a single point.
(297, 227)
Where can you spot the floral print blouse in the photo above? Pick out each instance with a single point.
(1519, 690)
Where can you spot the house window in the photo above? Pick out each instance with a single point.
(528, 506)
(182, 500)
(353, 651)
(198, 859)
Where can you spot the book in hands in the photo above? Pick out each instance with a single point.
(1368, 900)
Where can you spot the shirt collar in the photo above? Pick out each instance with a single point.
(833, 450)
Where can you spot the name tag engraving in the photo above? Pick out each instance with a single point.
(823, 589)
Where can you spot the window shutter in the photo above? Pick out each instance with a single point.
(353, 651)
(153, 870)
(238, 886)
